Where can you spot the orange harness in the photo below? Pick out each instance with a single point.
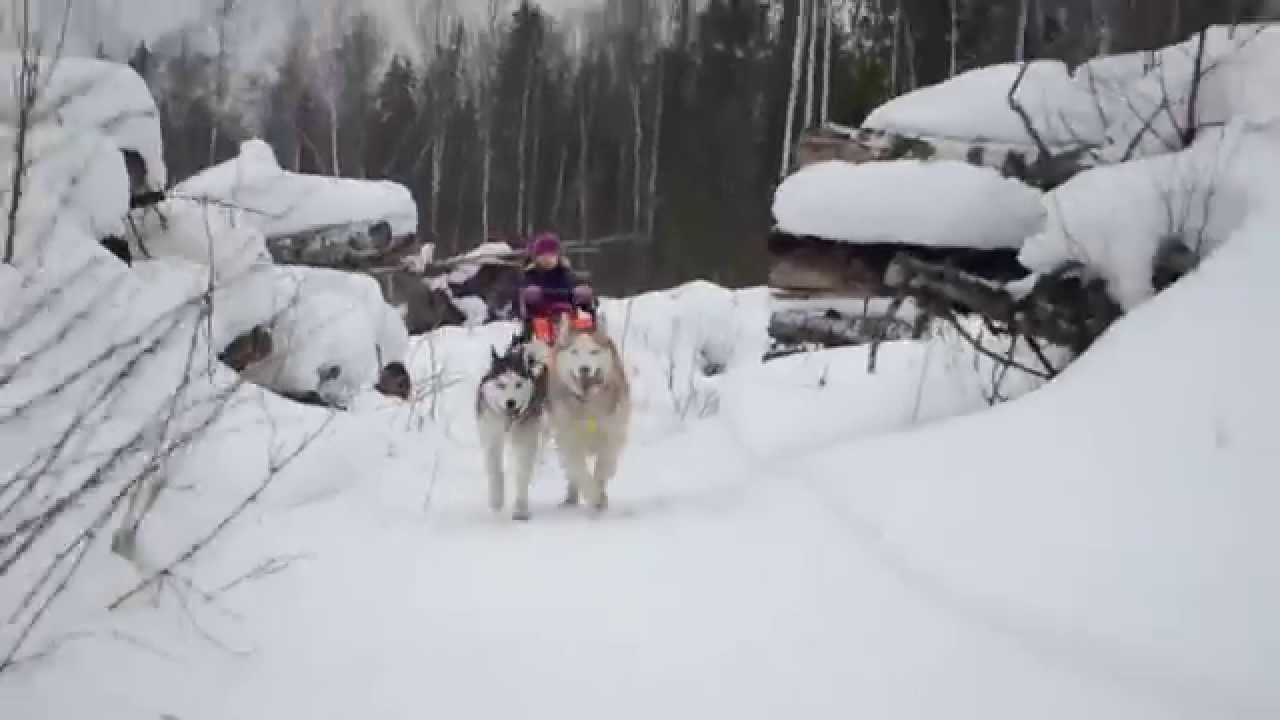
(544, 330)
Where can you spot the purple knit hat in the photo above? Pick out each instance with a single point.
(547, 243)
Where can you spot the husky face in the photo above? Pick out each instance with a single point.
(583, 360)
(508, 388)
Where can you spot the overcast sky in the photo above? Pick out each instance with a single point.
(119, 23)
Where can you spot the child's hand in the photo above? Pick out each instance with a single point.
(532, 295)
(582, 295)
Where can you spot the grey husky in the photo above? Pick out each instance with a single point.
(510, 403)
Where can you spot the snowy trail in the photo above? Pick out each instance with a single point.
(717, 585)
(761, 563)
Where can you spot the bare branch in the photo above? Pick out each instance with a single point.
(273, 471)
(1023, 115)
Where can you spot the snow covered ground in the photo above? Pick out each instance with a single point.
(791, 539)
(1100, 548)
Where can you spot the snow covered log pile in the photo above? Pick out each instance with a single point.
(87, 134)
(107, 98)
(312, 220)
(1145, 162)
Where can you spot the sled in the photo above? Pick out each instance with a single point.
(544, 328)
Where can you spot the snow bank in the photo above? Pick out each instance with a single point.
(282, 203)
(800, 403)
(211, 235)
(95, 95)
(940, 203)
(321, 320)
(974, 106)
(1145, 97)
(678, 344)
(1113, 219)
(1116, 526)
(74, 177)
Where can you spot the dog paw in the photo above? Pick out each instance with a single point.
(570, 500)
(520, 515)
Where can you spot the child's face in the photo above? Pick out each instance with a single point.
(546, 261)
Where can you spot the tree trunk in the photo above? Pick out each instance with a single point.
(812, 69)
(558, 201)
(531, 213)
(584, 149)
(954, 38)
(437, 170)
(521, 157)
(486, 181)
(637, 153)
(333, 136)
(796, 62)
(829, 18)
(1020, 51)
(656, 145)
(895, 60)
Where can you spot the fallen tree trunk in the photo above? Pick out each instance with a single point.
(1043, 168)
(805, 264)
(1065, 309)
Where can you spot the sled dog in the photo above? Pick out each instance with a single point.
(589, 407)
(509, 407)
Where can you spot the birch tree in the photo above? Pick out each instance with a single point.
(797, 63)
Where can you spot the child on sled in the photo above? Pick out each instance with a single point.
(550, 290)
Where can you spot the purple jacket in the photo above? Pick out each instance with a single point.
(554, 287)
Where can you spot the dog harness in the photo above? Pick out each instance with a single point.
(544, 329)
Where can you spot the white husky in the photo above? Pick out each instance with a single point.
(509, 406)
(589, 404)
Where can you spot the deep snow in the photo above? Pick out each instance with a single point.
(798, 538)
(1099, 548)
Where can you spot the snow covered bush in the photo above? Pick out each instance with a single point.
(1114, 220)
(1146, 99)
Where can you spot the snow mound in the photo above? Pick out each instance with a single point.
(95, 95)
(974, 106)
(214, 236)
(939, 204)
(1124, 532)
(321, 320)
(1146, 97)
(1113, 219)
(282, 203)
(74, 177)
